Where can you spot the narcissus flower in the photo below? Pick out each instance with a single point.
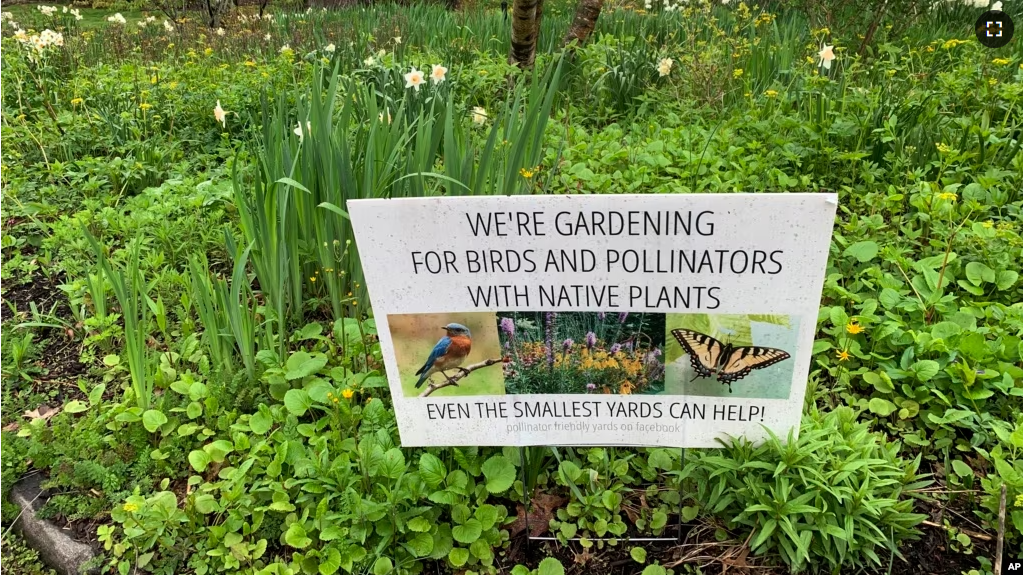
(826, 56)
(168, 26)
(220, 114)
(220, 32)
(117, 19)
(664, 66)
(414, 79)
(438, 73)
(329, 48)
(479, 115)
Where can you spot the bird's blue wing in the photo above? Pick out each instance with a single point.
(439, 350)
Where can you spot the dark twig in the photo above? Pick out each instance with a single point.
(463, 372)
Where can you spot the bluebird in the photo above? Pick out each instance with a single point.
(449, 353)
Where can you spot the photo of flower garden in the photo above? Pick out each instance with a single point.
(192, 374)
(582, 352)
(773, 381)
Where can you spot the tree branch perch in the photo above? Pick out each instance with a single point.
(462, 373)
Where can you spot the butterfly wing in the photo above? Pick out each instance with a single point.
(704, 351)
(745, 359)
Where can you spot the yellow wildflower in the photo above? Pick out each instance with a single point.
(1000, 61)
(948, 196)
(208, 51)
(347, 393)
(853, 328)
(145, 106)
(771, 93)
(312, 278)
(526, 173)
(988, 224)
(737, 73)
(76, 101)
(129, 507)
(843, 356)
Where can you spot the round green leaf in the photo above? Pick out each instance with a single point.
(458, 557)
(383, 566)
(499, 472)
(302, 364)
(75, 406)
(551, 567)
(469, 532)
(881, 407)
(432, 470)
(297, 402)
(638, 554)
(261, 421)
(296, 536)
(153, 420)
(199, 460)
(863, 251)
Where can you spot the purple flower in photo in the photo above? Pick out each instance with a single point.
(616, 349)
(622, 316)
(508, 326)
(567, 344)
(591, 386)
(656, 352)
(601, 316)
(628, 345)
(591, 340)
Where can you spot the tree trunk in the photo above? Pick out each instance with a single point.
(526, 15)
(586, 14)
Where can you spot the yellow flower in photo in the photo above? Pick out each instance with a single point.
(76, 101)
(843, 355)
(737, 73)
(771, 93)
(853, 328)
(1000, 61)
(948, 196)
(988, 224)
(129, 507)
(145, 106)
(347, 393)
(526, 173)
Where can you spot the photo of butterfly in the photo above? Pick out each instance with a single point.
(729, 363)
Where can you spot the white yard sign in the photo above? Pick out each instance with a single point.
(658, 320)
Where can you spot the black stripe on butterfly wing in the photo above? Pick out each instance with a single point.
(704, 351)
(746, 359)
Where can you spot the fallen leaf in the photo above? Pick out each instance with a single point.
(43, 411)
(10, 427)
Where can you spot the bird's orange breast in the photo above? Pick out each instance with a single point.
(460, 346)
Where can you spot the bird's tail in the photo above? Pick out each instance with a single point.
(422, 378)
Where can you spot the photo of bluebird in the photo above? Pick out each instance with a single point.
(448, 354)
